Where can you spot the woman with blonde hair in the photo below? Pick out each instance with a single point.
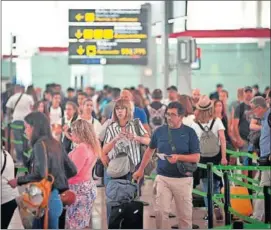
(84, 156)
(206, 123)
(122, 136)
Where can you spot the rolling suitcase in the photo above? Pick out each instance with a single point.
(127, 216)
(242, 206)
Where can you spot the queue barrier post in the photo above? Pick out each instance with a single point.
(210, 195)
(227, 201)
(267, 202)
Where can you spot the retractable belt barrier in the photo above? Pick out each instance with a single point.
(235, 178)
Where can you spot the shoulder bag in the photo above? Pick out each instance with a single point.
(185, 168)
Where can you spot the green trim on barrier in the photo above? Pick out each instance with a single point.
(243, 217)
(17, 142)
(249, 186)
(200, 193)
(241, 167)
(203, 166)
(247, 226)
(241, 154)
(4, 139)
(28, 153)
(22, 170)
(247, 178)
(16, 126)
(242, 197)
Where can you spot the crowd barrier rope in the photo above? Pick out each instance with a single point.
(211, 169)
(237, 180)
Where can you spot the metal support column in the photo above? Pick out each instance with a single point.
(259, 14)
(165, 45)
(149, 72)
(186, 54)
(11, 57)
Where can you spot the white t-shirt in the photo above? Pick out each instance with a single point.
(97, 125)
(8, 193)
(23, 108)
(218, 125)
(189, 120)
(55, 116)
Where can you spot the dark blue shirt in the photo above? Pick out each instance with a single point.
(141, 115)
(185, 141)
(265, 135)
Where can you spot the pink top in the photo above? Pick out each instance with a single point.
(84, 159)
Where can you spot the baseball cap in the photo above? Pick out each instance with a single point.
(174, 88)
(157, 94)
(248, 88)
(258, 101)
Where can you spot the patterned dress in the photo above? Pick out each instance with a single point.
(79, 213)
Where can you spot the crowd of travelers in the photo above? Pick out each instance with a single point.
(124, 134)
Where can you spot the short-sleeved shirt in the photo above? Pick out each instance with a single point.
(218, 125)
(265, 135)
(108, 109)
(244, 119)
(132, 148)
(141, 115)
(23, 107)
(185, 141)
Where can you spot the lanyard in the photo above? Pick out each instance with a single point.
(173, 147)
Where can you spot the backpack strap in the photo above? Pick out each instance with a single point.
(212, 124)
(4, 163)
(201, 127)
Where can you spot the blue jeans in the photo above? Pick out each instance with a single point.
(19, 137)
(55, 211)
(216, 188)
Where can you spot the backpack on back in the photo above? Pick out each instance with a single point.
(209, 142)
(157, 117)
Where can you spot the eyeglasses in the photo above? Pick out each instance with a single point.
(171, 115)
(120, 108)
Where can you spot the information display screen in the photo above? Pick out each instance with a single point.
(108, 36)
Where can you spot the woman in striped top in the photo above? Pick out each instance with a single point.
(121, 135)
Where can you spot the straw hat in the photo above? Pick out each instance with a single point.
(204, 103)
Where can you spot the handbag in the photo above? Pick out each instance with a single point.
(99, 168)
(120, 166)
(68, 197)
(35, 198)
(153, 162)
(185, 168)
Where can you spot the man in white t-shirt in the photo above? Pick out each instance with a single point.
(8, 195)
(18, 106)
(56, 114)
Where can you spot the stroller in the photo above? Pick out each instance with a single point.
(123, 211)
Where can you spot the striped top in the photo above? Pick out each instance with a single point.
(132, 148)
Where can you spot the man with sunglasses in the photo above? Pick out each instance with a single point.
(180, 146)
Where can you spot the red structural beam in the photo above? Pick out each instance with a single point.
(242, 33)
(5, 56)
(53, 49)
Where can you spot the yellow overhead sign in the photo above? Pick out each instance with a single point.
(100, 34)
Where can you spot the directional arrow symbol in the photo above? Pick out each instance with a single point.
(80, 50)
(79, 17)
(78, 34)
